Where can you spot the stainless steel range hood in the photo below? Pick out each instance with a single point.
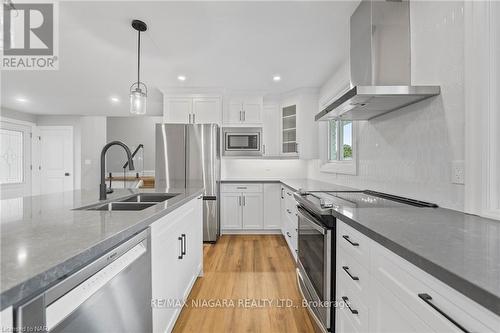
(380, 64)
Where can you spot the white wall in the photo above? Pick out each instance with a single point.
(14, 114)
(409, 151)
(262, 169)
(93, 131)
(89, 138)
(132, 131)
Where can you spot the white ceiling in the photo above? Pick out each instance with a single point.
(232, 45)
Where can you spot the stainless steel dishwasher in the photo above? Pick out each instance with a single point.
(112, 294)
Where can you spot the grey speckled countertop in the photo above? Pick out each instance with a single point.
(43, 238)
(461, 250)
(294, 184)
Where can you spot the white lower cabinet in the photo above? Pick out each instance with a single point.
(230, 207)
(242, 207)
(386, 293)
(289, 220)
(176, 261)
(272, 206)
(252, 211)
(242, 211)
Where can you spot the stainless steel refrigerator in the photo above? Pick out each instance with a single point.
(189, 156)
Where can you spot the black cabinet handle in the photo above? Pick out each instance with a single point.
(282, 193)
(184, 242)
(346, 269)
(288, 234)
(346, 301)
(182, 253)
(350, 241)
(289, 211)
(427, 299)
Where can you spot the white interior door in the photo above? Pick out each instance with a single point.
(15, 160)
(56, 158)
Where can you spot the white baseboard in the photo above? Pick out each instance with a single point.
(251, 232)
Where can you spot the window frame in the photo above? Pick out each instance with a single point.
(340, 165)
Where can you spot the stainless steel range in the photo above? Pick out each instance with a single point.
(316, 243)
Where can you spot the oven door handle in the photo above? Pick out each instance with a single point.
(313, 221)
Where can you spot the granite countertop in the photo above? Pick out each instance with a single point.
(43, 239)
(461, 250)
(294, 184)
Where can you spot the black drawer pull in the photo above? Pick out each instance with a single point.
(351, 242)
(346, 269)
(184, 239)
(182, 253)
(346, 301)
(427, 299)
(288, 234)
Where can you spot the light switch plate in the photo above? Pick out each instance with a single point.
(458, 172)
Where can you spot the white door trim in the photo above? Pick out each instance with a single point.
(17, 122)
(52, 127)
(24, 188)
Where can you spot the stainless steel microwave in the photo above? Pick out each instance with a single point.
(242, 141)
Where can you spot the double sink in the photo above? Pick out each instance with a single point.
(132, 203)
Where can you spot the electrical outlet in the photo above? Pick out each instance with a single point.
(458, 172)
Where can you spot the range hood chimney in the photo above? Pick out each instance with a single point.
(380, 64)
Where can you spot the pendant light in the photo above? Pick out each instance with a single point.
(138, 90)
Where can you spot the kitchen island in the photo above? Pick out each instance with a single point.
(44, 239)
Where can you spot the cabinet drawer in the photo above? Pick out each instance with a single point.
(357, 312)
(425, 295)
(354, 243)
(354, 273)
(243, 188)
(291, 236)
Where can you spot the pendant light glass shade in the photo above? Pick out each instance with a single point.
(138, 90)
(138, 99)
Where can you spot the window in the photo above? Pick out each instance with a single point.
(340, 140)
(11, 157)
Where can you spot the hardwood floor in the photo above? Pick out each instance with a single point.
(247, 272)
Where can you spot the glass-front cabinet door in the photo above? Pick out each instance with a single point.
(289, 130)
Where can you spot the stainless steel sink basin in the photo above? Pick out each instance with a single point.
(138, 201)
(149, 197)
(122, 206)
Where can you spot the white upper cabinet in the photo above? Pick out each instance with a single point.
(297, 126)
(207, 110)
(271, 130)
(178, 110)
(240, 110)
(192, 109)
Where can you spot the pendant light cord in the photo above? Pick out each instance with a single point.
(138, 57)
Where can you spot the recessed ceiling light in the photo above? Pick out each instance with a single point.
(115, 99)
(181, 78)
(276, 78)
(21, 99)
